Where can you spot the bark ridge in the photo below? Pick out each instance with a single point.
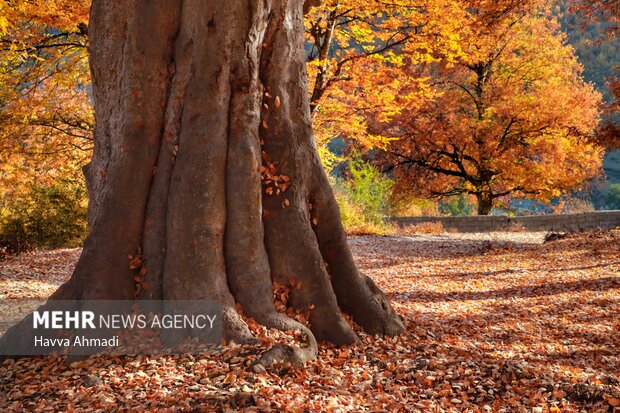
(205, 172)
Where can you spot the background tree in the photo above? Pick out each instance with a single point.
(608, 12)
(600, 10)
(511, 117)
(205, 172)
(353, 48)
(45, 81)
(45, 120)
(609, 132)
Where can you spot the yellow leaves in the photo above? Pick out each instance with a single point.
(4, 22)
(362, 76)
(522, 113)
(45, 109)
(361, 34)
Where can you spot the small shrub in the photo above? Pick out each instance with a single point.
(47, 216)
(364, 198)
(351, 214)
(370, 189)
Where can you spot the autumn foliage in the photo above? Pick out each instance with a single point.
(495, 322)
(609, 12)
(510, 116)
(466, 97)
(353, 49)
(45, 108)
(472, 97)
(45, 120)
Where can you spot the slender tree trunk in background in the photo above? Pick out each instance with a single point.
(191, 98)
(485, 203)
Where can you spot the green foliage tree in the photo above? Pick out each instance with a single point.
(364, 196)
(612, 197)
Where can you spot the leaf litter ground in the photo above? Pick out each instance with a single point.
(496, 322)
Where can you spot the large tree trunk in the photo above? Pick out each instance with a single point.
(485, 203)
(205, 164)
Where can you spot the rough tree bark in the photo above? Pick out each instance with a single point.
(192, 98)
(485, 203)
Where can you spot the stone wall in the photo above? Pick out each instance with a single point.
(584, 221)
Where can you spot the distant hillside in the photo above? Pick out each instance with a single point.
(598, 56)
(612, 167)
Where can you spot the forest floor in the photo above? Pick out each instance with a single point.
(496, 322)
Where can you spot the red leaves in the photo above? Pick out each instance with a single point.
(274, 182)
(281, 300)
(516, 325)
(280, 296)
(613, 401)
(296, 285)
(137, 263)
